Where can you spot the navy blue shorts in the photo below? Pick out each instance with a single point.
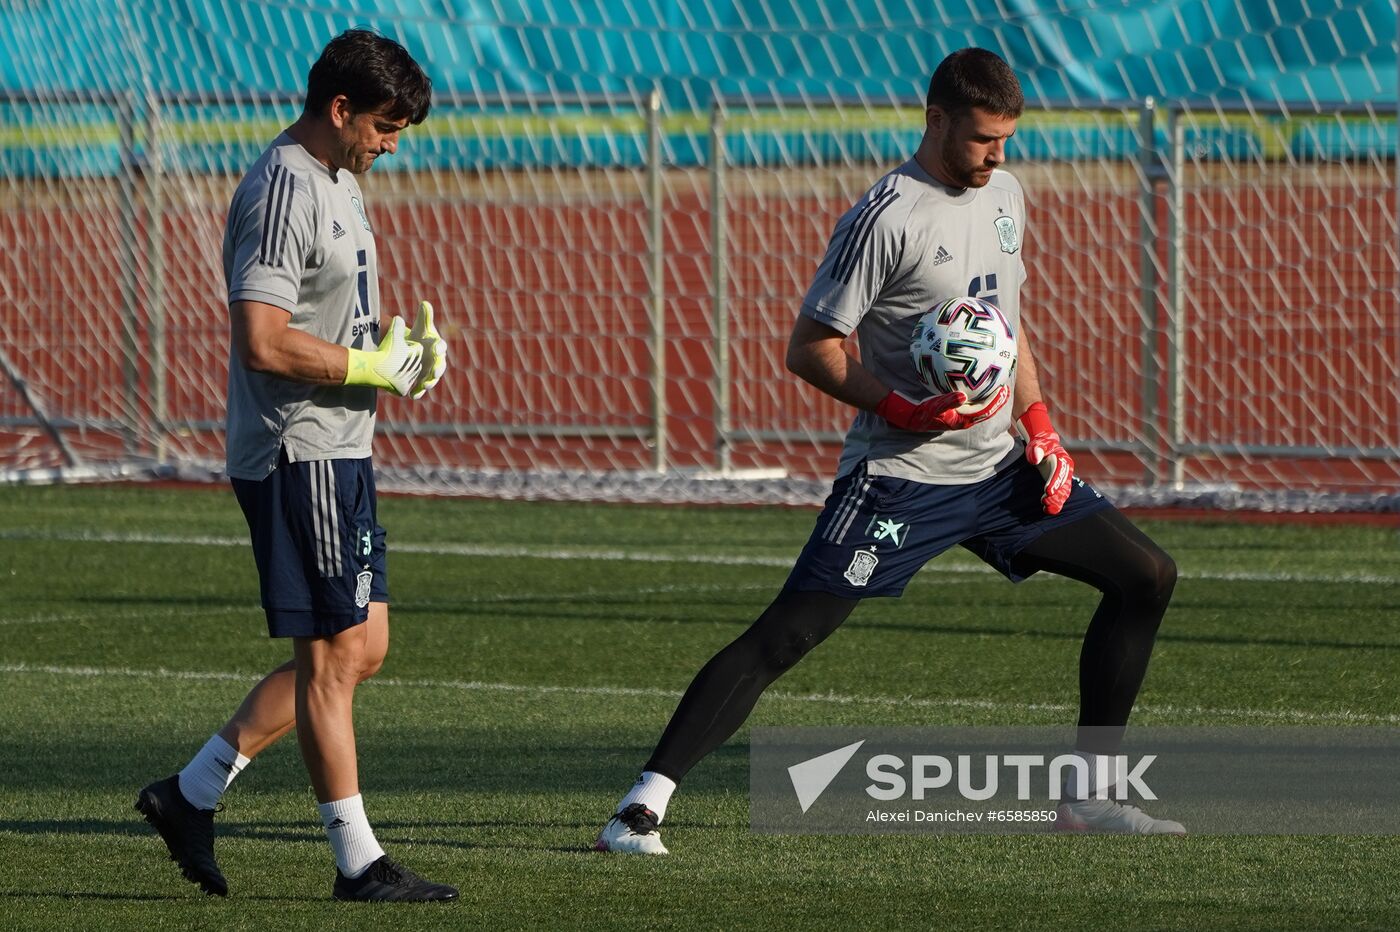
(876, 532)
(317, 543)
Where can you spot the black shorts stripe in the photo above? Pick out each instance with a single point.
(858, 234)
(318, 516)
(333, 521)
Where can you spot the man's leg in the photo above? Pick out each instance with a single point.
(717, 702)
(182, 807)
(269, 710)
(326, 671)
(727, 688)
(1136, 578)
(873, 535)
(328, 668)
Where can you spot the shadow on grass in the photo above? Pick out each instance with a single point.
(147, 897)
(486, 763)
(88, 895)
(390, 832)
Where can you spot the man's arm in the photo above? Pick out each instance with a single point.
(1044, 449)
(816, 355)
(265, 343)
(1027, 376)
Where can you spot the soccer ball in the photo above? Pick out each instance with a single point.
(964, 345)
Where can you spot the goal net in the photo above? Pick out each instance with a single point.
(616, 209)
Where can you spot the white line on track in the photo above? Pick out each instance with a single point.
(1275, 716)
(641, 556)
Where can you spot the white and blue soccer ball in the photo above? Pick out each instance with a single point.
(964, 345)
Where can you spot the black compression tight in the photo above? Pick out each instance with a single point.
(726, 689)
(1136, 578)
(1104, 550)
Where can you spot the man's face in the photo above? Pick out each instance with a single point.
(969, 146)
(362, 137)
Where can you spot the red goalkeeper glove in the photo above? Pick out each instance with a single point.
(1045, 451)
(937, 413)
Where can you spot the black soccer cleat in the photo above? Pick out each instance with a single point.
(387, 882)
(188, 833)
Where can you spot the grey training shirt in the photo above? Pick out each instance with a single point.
(298, 238)
(907, 245)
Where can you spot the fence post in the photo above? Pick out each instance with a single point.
(719, 286)
(658, 285)
(128, 272)
(1150, 171)
(155, 276)
(1176, 324)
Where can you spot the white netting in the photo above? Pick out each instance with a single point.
(1213, 241)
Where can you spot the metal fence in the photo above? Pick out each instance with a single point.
(667, 253)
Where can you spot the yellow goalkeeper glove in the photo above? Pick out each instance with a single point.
(394, 366)
(434, 350)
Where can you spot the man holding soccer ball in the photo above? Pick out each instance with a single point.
(918, 475)
(308, 359)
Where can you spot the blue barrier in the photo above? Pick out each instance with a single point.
(1344, 141)
(767, 148)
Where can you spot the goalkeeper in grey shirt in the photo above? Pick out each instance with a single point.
(918, 476)
(307, 361)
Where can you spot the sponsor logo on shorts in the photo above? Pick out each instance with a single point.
(884, 529)
(862, 565)
(362, 588)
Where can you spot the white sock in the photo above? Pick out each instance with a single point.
(210, 772)
(352, 839)
(1096, 779)
(651, 790)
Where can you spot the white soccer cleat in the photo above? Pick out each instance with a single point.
(1108, 817)
(631, 831)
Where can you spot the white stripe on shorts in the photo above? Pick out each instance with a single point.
(326, 518)
(846, 512)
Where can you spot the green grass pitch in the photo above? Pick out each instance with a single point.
(537, 651)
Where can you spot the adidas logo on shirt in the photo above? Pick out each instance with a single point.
(337, 231)
(942, 256)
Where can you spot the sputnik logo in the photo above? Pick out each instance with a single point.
(811, 777)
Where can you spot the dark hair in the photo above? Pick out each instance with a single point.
(370, 70)
(975, 78)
